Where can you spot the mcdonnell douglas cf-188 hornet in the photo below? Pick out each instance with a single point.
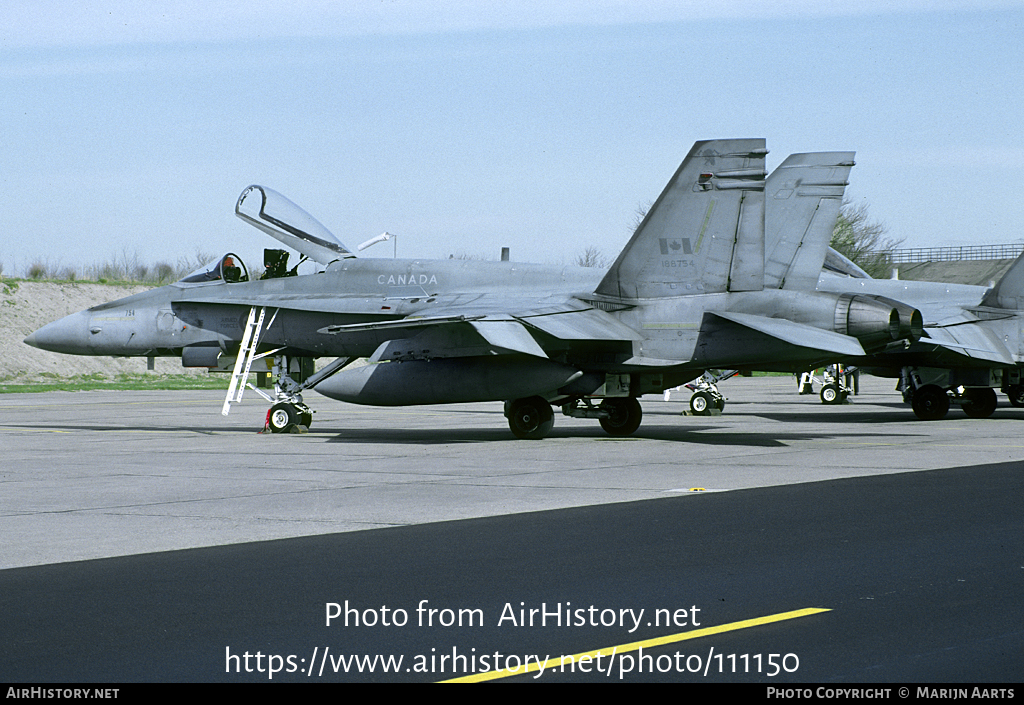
(973, 341)
(692, 290)
(969, 338)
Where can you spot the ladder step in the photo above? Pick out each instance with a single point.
(246, 354)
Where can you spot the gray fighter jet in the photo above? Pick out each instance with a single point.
(969, 340)
(973, 342)
(692, 290)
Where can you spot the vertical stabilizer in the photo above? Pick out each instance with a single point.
(803, 196)
(1009, 291)
(705, 233)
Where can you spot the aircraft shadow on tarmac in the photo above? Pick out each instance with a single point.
(869, 413)
(658, 428)
(690, 434)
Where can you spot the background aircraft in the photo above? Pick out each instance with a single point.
(972, 335)
(691, 290)
(974, 342)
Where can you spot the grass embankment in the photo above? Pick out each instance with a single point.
(47, 382)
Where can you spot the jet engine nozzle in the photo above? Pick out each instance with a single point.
(911, 320)
(876, 321)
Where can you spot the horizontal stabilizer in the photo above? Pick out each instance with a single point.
(797, 333)
(839, 263)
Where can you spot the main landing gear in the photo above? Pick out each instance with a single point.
(1015, 393)
(931, 401)
(533, 418)
(530, 418)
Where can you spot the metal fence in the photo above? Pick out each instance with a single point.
(955, 254)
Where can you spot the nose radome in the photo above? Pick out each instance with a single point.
(68, 335)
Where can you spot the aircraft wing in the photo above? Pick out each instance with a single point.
(579, 324)
(514, 331)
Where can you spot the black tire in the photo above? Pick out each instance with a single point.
(930, 402)
(979, 402)
(701, 403)
(282, 417)
(1015, 393)
(624, 417)
(531, 418)
(830, 394)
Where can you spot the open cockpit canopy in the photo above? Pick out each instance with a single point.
(275, 215)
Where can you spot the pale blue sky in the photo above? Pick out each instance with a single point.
(464, 127)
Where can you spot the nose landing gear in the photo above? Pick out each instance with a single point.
(285, 417)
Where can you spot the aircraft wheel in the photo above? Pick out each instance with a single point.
(1016, 395)
(930, 402)
(531, 418)
(830, 394)
(282, 417)
(701, 403)
(979, 402)
(624, 416)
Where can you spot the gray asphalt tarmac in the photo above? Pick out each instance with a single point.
(910, 534)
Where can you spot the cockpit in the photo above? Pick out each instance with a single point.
(275, 215)
(228, 268)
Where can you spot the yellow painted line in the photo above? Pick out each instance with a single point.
(637, 645)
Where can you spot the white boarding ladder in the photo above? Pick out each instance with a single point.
(246, 356)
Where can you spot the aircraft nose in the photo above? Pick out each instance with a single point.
(68, 335)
